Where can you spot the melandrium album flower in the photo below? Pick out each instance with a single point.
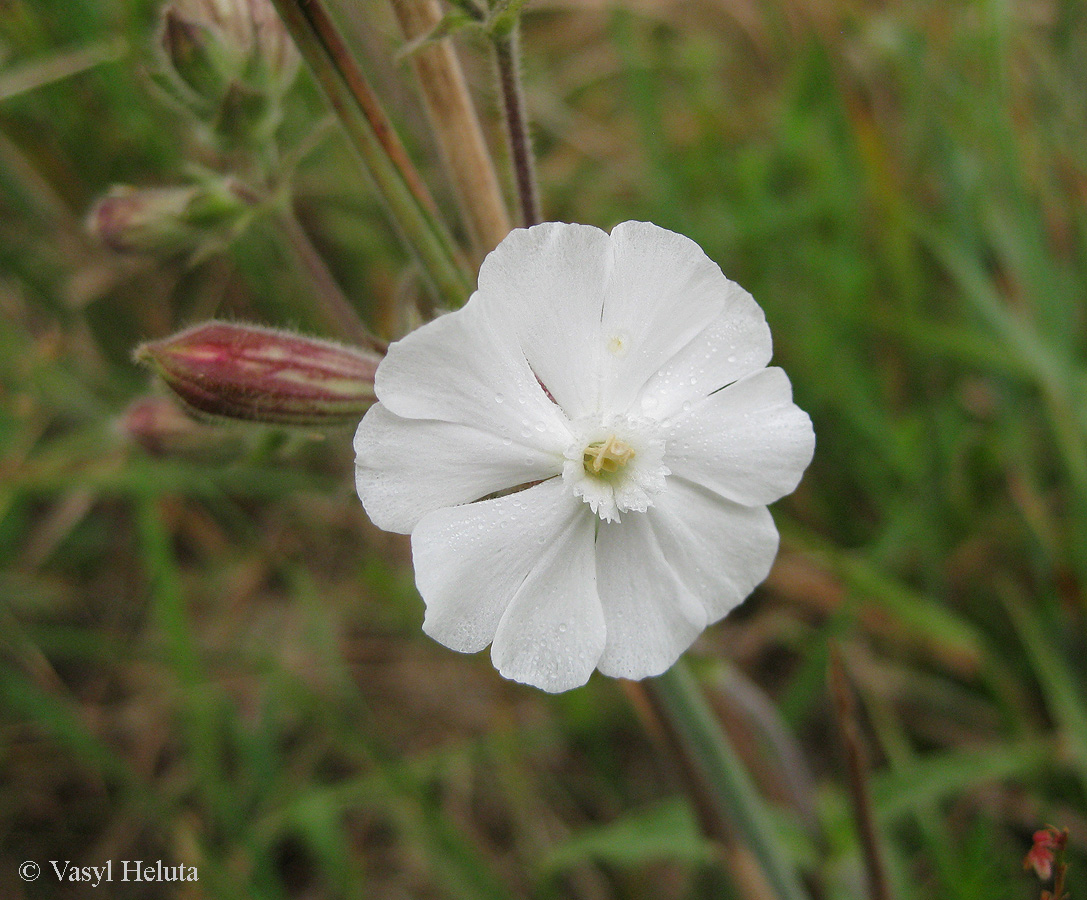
(583, 454)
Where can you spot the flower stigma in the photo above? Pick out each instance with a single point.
(607, 456)
(615, 464)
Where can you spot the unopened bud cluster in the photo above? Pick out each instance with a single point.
(229, 62)
(259, 374)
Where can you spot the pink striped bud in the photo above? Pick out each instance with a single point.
(264, 375)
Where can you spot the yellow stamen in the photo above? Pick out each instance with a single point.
(607, 456)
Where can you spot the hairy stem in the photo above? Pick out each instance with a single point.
(508, 61)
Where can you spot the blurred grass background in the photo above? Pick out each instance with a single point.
(210, 657)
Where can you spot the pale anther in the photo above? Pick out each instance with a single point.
(607, 456)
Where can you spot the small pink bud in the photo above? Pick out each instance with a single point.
(159, 426)
(264, 375)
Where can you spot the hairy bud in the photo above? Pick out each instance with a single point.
(264, 375)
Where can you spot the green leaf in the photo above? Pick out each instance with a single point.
(668, 831)
(913, 785)
(451, 23)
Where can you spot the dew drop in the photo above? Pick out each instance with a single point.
(686, 405)
(507, 441)
(498, 398)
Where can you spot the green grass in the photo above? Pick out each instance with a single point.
(209, 656)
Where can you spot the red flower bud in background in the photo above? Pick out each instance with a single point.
(264, 375)
(159, 426)
(1045, 856)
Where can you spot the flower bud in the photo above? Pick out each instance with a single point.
(189, 48)
(167, 220)
(159, 426)
(214, 46)
(264, 375)
(273, 48)
(1047, 851)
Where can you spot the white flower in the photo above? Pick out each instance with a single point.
(583, 454)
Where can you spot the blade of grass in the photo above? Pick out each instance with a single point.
(1063, 695)
(39, 72)
(919, 782)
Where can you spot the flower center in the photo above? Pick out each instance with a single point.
(615, 464)
(607, 456)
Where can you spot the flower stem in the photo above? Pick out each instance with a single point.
(845, 709)
(725, 795)
(372, 134)
(338, 310)
(456, 126)
(507, 57)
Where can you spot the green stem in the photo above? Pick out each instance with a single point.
(373, 136)
(679, 702)
(333, 302)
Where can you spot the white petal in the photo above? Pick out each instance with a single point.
(552, 633)
(547, 282)
(662, 292)
(462, 368)
(719, 549)
(470, 560)
(747, 442)
(651, 615)
(736, 343)
(406, 468)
